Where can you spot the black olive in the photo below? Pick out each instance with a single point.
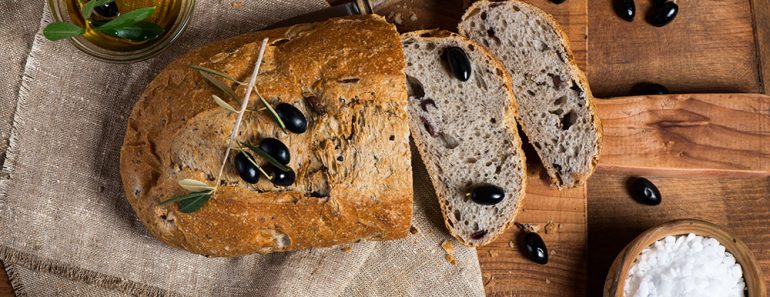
(486, 194)
(644, 191)
(647, 88)
(626, 9)
(458, 62)
(534, 248)
(280, 177)
(414, 87)
(658, 2)
(276, 149)
(660, 15)
(293, 118)
(558, 1)
(109, 10)
(246, 170)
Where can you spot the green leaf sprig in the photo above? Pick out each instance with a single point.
(130, 25)
(200, 192)
(265, 156)
(214, 72)
(210, 76)
(272, 112)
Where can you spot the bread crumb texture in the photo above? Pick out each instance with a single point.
(354, 179)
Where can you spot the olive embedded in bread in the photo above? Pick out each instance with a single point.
(458, 62)
(276, 149)
(280, 177)
(294, 120)
(246, 169)
(486, 194)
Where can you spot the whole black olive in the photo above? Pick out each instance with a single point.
(246, 170)
(626, 9)
(276, 149)
(280, 177)
(458, 62)
(486, 194)
(647, 88)
(558, 1)
(108, 10)
(644, 191)
(660, 15)
(534, 248)
(294, 120)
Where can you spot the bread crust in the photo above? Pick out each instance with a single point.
(346, 75)
(580, 179)
(510, 119)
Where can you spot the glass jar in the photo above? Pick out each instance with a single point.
(69, 11)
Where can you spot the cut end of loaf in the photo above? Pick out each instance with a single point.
(555, 108)
(465, 132)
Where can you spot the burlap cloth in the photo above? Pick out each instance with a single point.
(67, 229)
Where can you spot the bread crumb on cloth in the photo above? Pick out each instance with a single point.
(450, 250)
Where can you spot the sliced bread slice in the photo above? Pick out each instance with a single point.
(555, 102)
(465, 132)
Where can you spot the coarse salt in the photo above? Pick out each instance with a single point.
(684, 266)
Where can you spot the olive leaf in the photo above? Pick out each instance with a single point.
(265, 156)
(129, 18)
(214, 72)
(187, 196)
(272, 112)
(218, 83)
(223, 104)
(140, 31)
(193, 204)
(194, 185)
(61, 30)
(88, 8)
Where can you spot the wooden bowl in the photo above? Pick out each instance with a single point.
(616, 277)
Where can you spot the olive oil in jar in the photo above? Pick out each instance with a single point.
(166, 13)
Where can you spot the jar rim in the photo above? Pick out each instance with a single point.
(59, 12)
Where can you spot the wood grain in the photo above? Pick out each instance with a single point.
(697, 134)
(709, 47)
(5, 286)
(560, 217)
(740, 205)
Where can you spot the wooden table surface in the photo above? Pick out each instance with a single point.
(712, 46)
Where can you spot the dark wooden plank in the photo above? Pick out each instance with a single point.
(741, 205)
(709, 47)
(5, 285)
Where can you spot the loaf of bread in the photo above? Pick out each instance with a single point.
(556, 109)
(463, 123)
(353, 165)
